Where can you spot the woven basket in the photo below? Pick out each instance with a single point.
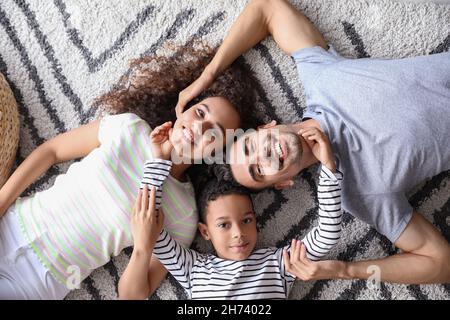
(9, 130)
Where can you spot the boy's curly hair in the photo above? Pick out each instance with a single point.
(214, 189)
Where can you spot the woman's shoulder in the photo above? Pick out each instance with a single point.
(113, 126)
(123, 118)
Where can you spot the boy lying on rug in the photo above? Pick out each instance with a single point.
(236, 270)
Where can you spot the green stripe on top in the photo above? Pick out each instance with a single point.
(84, 218)
(38, 246)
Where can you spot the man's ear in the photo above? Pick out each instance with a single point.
(283, 184)
(203, 230)
(269, 125)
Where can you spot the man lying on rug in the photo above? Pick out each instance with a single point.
(388, 123)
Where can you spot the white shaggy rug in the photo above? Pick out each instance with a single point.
(59, 55)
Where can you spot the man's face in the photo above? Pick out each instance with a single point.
(266, 157)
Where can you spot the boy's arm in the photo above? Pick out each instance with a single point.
(156, 172)
(174, 257)
(326, 235)
(71, 145)
(145, 272)
(178, 260)
(290, 29)
(319, 241)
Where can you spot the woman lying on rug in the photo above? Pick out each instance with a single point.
(51, 241)
(236, 270)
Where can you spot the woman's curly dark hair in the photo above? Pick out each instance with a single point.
(152, 85)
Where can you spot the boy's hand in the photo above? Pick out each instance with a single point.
(320, 146)
(298, 264)
(161, 145)
(146, 223)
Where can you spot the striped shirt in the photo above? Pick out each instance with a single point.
(84, 218)
(321, 239)
(262, 275)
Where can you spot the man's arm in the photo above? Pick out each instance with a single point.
(425, 259)
(290, 29)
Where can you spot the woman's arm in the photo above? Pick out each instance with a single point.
(140, 279)
(71, 145)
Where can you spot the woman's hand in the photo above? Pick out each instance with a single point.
(320, 146)
(147, 222)
(298, 264)
(161, 145)
(193, 90)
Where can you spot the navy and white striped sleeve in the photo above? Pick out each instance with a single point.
(326, 235)
(178, 260)
(155, 173)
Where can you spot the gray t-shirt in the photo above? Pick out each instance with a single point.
(389, 125)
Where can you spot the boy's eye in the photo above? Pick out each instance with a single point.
(222, 225)
(248, 220)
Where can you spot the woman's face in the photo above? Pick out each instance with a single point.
(201, 129)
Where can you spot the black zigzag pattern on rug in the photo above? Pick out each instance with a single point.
(94, 64)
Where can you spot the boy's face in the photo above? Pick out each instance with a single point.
(231, 226)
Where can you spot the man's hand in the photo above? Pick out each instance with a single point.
(193, 90)
(290, 29)
(320, 146)
(161, 145)
(147, 222)
(304, 269)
